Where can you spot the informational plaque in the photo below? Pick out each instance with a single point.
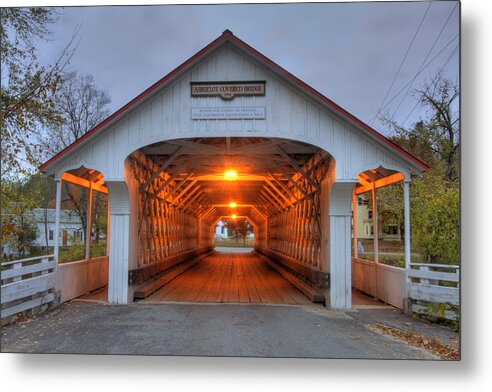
(227, 90)
(229, 113)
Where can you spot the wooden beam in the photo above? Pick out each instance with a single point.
(167, 182)
(186, 189)
(276, 190)
(194, 197)
(83, 182)
(258, 147)
(268, 203)
(177, 186)
(210, 212)
(203, 215)
(162, 168)
(296, 166)
(285, 188)
(380, 183)
(228, 144)
(292, 181)
(202, 147)
(276, 204)
(275, 196)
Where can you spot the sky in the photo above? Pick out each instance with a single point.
(363, 56)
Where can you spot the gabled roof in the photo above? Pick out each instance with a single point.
(227, 35)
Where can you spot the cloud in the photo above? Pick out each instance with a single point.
(348, 51)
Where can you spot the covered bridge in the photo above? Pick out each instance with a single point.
(231, 132)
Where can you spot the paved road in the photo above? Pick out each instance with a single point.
(309, 331)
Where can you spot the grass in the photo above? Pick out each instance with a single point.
(232, 243)
(65, 253)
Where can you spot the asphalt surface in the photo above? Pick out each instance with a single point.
(393, 317)
(169, 329)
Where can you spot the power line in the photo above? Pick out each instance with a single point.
(403, 61)
(425, 59)
(444, 66)
(423, 68)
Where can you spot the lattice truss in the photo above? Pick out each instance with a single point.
(183, 194)
(296, 230)
(166, 228)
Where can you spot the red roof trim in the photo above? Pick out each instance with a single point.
(134, 101)
(227, 35)
(328, 101)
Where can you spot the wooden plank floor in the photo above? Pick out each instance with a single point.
(230, 277)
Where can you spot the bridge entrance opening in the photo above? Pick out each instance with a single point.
(256, 201)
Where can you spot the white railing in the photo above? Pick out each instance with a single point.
(26, 284)
(434, 283)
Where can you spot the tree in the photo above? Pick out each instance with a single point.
(44, 188)
(75, 198)
(27, 87)
(435, 216)
(18, 229)
(436, 137)
(435, 195)
(390, 207)
(81, 106)
(238, 228)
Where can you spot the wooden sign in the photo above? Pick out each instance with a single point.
(227, 90)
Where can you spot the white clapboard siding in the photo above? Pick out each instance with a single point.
(432, 293)
(28, 269)
(27, 287)
(290, 113)
(26, 305)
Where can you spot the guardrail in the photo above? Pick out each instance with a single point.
(435, 284)
(27, 284)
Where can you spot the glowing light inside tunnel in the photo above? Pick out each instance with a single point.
(232, 204)
(233, 216)
(230, 174)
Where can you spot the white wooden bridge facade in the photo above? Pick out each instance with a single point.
(298, 164)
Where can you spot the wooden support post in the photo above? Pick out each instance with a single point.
(354, 224)
(408, 254)
(375, 223)
(375, 238)
(340, 292)
(56, 237)
(89, 224)
(118, 292)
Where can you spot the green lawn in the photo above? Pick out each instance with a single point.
(232, 243)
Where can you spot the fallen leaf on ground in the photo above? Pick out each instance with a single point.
(444, 351)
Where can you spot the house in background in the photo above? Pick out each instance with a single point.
(390, 231)
(221, 230)
(71, 230)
